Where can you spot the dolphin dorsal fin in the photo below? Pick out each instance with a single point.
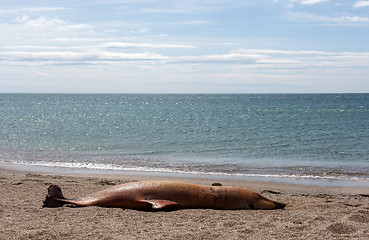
(158, 204)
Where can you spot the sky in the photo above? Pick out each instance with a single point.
(194, 46)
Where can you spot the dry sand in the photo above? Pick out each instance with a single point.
(312, 212)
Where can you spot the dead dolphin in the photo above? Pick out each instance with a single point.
(164, 195)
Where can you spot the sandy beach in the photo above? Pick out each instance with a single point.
(312, 212)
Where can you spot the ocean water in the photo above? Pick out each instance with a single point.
(320, 137)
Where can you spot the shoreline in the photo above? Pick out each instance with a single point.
(312, 211)
(323, 181)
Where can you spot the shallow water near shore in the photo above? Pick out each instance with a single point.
(308, 138)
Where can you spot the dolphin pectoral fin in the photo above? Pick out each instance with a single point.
(159, 204)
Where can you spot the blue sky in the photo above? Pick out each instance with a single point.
(209, 46)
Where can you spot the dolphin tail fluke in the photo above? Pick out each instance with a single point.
(54, 197)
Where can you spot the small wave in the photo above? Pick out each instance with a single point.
(114, 167)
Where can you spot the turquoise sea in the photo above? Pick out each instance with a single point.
(311, 138)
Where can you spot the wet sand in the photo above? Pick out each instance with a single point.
(312, 212)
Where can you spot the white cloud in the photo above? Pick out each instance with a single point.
(250, 58)
(289, 5)
(309, 17)
(361, 3)
(143, 45)
(240, 67)
(34, 9)
(31, 47)
(194, 22)
(40, 9)
(312, 2)
(55, 23)
(189, 7)
(39, 22)
(227, 58)
(78, 39)
(42, 75)
(281, 52)
(353, 19)
(62, 57)
(165, 10)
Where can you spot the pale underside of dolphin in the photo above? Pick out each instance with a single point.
(166, 195)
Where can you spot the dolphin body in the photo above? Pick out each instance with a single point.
(166, 195)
